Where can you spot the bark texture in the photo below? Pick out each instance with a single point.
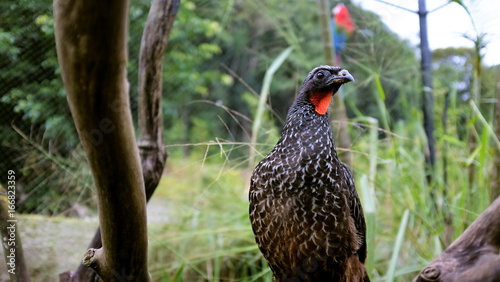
(91, 40)
(474, 256)
(151, 145)
(153, 44)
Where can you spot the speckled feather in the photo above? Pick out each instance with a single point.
(304, 209)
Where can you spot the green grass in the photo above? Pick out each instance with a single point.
(206, 234)
(209, 237)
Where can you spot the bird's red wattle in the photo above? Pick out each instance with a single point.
(321, 101)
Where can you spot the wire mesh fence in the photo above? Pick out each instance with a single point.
(37, 133)
(38, 137)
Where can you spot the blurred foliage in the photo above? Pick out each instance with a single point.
(217, 56)
(214, 47)
(32, 100)
(30, 83)
(376, 52)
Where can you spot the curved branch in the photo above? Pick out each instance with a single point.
(151, 145)
(153, 44)
(474, 256)
(91, 40)
(93, 258)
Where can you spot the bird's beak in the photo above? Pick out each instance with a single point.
(342, 77)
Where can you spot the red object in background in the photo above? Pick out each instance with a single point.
(343, 19)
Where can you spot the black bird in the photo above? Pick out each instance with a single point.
(304, 208)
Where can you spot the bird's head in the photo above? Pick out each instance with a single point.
(321, 84)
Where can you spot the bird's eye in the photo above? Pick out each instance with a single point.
(320, 75)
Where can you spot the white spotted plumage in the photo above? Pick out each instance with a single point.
(304, 208)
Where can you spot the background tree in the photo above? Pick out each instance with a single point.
(339, 116)
(495, 183)
(93, 64)
(108, 126)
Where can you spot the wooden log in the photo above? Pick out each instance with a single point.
(474, 256)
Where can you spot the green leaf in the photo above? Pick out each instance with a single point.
(380, 89)
(264, 93)
(397, 247)
(369, 209)
(178, 275)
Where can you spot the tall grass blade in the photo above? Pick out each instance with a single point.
(368, 193)
(397, 247)
(373, 153)
(381, 102)
(264, 93)
(482, 155)
(484, 122)
(178, 275)
(369, 209)
(185, 260)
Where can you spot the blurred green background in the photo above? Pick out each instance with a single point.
(214, 66)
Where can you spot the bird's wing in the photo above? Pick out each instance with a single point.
(356, 212)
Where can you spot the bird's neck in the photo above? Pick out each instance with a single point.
(303, 112)
(304, 122)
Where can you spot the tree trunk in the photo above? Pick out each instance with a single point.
(495, 176)
(151, 146)
(427, 97)
(338, 114)
(473, 256)
(91, 40)
(447, 214)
